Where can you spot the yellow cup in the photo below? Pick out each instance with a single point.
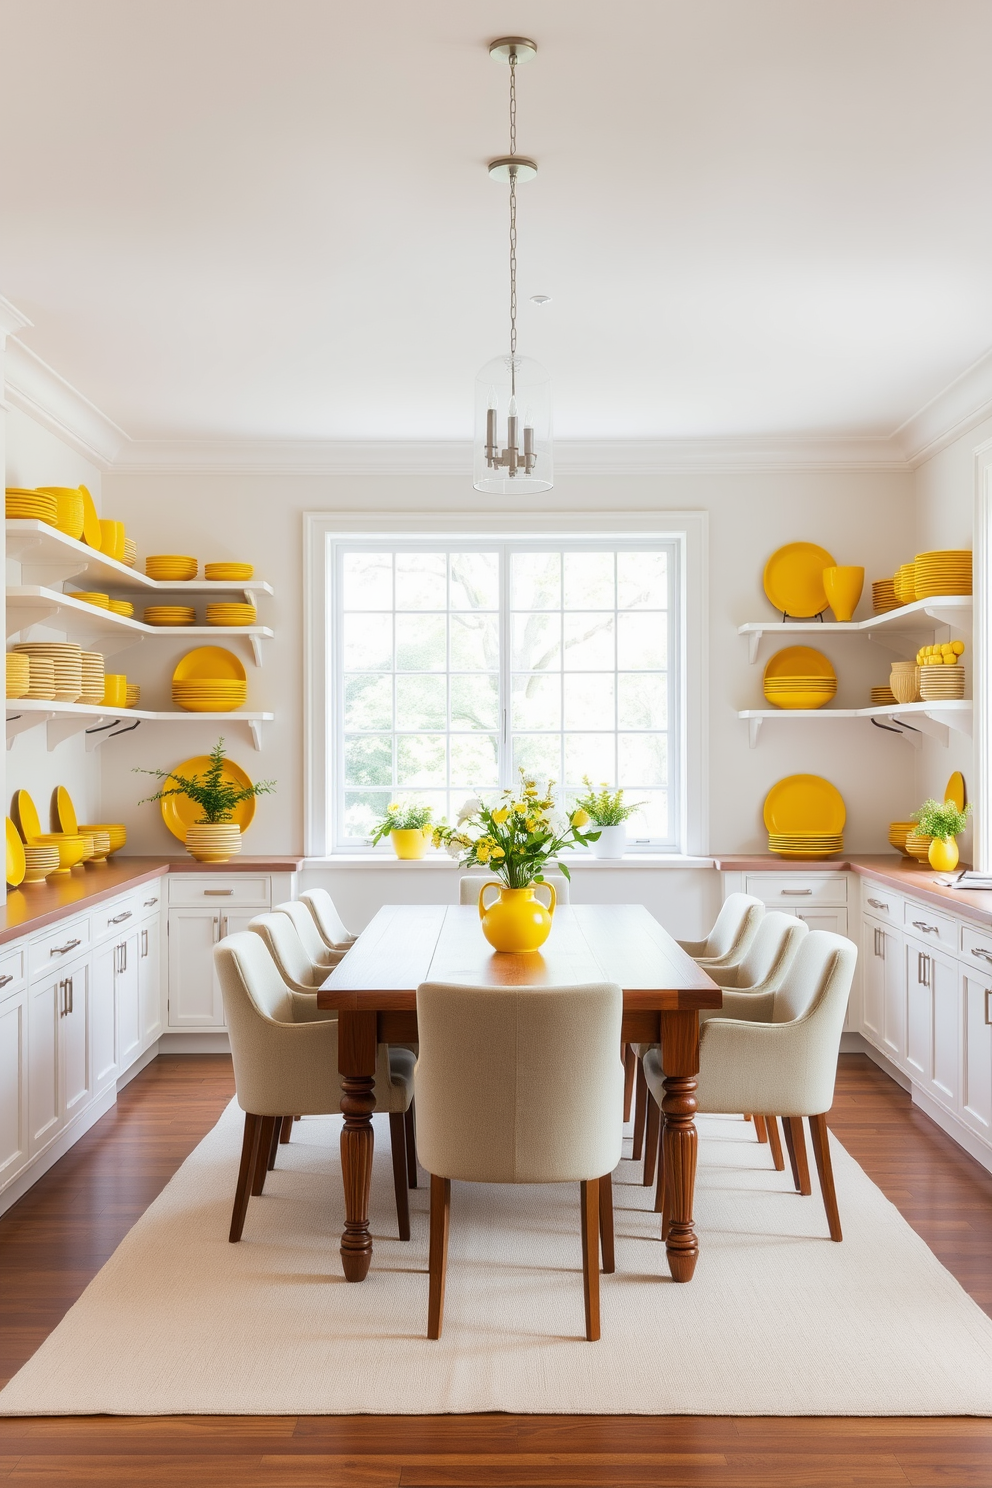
(114, 691)
(843, 588)
(112, 538)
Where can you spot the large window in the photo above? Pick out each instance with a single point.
(454, 662)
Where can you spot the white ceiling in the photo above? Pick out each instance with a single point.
(243, 218)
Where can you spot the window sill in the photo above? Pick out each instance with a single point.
(436, 862)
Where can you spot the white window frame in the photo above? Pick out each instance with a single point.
(688, 532)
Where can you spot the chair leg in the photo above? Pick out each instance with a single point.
(760, 1129)
(640, 1112)
(606, 1223)
(411, 1147)
(652, 1127)
(629, 1061)
(438, 1263)
(246, 1173)
(274, 1141)
(775, 1143)
(397, 1141)
(262, 1154)
(287, 1128)
(796, 1143)
(590, 1256)
(824, 1167)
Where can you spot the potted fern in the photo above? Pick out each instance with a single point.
(409, 827)
(215, 837)
(941, 821)
(609, 812)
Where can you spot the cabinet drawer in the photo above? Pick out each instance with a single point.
(211, 888)
(12, 970)
(920, 921)
(792, 890)
(881, 903)
(976, 949)
(151, 898)
(60, 944)
(115, 917)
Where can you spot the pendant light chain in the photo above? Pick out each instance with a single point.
(513, 224)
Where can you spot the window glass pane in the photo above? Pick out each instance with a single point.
(535, 581)
(588, 700)
(642, 700)
(421, 759)
(473, 763)
(642, 641)
(362, 809)
(367, 581)
(536, 701)
(536, 642)
(643, 759)
(421, 581)
(368, 759)
(590, 754)
(650, 819)
(367, 643)
(421, 702)
(420, 643)
(589, 641)
(474, 643)
(589, 581)
(474, 581)
(642, 581)
(540, 753)
(475, 701)
(368, 702)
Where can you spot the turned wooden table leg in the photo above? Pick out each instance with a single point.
(680, 1059)
(356, 1064)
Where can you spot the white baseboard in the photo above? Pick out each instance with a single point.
(954, 1127)
(65, 1139)
(856, 1043)
(194, 1043)
(142, 1062)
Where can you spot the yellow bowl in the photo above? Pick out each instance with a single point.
(112, 538)
(798, 699)
(73, 847)
(116, 830)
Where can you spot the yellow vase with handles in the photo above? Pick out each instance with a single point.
(943, 854)
(515, 921)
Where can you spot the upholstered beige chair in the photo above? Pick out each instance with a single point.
(470, 886)
(776, 1052)
(493, 1108)
(285, 1056)
(328, 921)
(317, 952)
(282, 940)
(735, 928)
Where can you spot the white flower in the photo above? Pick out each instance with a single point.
(559, 822)
(454, 850)
(471, 808)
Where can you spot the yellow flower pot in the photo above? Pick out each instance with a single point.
(409, 842)
(943, 854)
(516, 921)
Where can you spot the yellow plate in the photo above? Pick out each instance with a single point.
(65, 812)
(793, 579)
(179, 812)
(799, 661)
(16, 867)
(26, 816)
(804, 804)
(954, 790)
(92, 535)
(210, 663)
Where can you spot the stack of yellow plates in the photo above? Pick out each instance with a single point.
(804, 816)
(93, 668)
(66, 659)
(946, 571)
(101, 846)
(898, 832)
(72, 847)
(133, 695)
(170, 567)
(917, 846)
(18, 674)
(130, 551)
(904, 581)
(883, 596)
(41, 860)
(937, 682)
(115, 830)
(799, 677)
(41, 679)
(69, 509)
(88, 596)
(882, 697)
(209, 680)
(170, 615)
(122, 607)
(228, 572)
(231, 614)
(22, 504)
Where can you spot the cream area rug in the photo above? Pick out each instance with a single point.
(777, 1321)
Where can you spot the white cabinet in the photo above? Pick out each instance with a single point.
(60, 1082)
(884, 990)
(976, 1050)
(128, 1009)
(150, 981)
(919, 1013)
(933, 1039)
(74, 1048)
(203, 909)
(14, 1145)
(103, 1017)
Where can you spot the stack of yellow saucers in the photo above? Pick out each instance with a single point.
(804, 816)
(41, 679)
(116, 831)
(799, 677)
(122, 607)
(883, 596)
(209, 680)
(904, 581)
(941, 682)
(133, 695)
(130, 552)
(66, 659)
(171, 567)
(91, 597)
(38, 506)
(231, 614)
(68, 507)
(93, 668)
(170, 615)
(898, 832)
(945, 571)
(238, 573)
(882, 697)
(917, 846)
(804, 847)
(18, 674)
(41, 859)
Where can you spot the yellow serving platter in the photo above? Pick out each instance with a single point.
(179, 812)
(804, 805)
(65, 811)
(92, 535)
(26, 815)
(954, 790)
(793, 579)
(16, 865)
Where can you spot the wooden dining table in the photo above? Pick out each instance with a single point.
(374, 990)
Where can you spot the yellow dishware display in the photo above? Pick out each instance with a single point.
(209, 663)
(18, 674)
(883, 596)
(940, 673)
(68, 509)
(231, 572)
(116, 831)
(92, 535)
(91, 597)
(41, 860)
(26, 816)
(67, 667)
(169, 615)
(16, 865)
(133, 694)
(180, 813)
(36, 506)
(515, 921)
(918, 846)
(130, 551)
(41, 684)
(93, 674)
(882, 697)
(955, 791)
(804, 805)
(63, 811)
(122, 607)
(799, 677)
(112, 538)
(946, 571)
(905, 583)
(209, 679)
(169, 567)
(843, 586)
(101, 846)
(114, 690)
(898, 833)
(793, 579)
(231, 614)
(71, 849)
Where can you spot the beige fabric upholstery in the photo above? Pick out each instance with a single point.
(493, 1107)
(778, 1052)
(767, 959)
(471, 884)
(284, 945)
(735, 928)
(317, 952)
(328, 921)
(285, 1051)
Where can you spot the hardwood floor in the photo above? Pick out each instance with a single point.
(60, 1234)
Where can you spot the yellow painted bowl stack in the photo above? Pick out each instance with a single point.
(41, 860)
(944, 571)
(898, 832)
(18, 674)
(237, 573)
(882, 697)
(917, 846)
(41, 683)
(171, 567)
(209, 680)
(66, 659)
(799, 677)
(905, 583)
(883, 596)
(25, 505)
(93, 670)
(116, 831)
(169, 615)
(133, 695)
(231, 614)
(804, 816)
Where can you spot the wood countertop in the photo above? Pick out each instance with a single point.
(36, 905)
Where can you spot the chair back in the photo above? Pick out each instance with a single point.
(286, 949)
(771, 952)
(328, 921)
(470, 886)
(736, 926)
(307, 930)
(519, 1084)
(255, 996)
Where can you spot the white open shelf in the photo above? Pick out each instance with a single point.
(934, 719)
(901, 631)
(63, 720)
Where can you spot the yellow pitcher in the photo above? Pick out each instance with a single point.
(516, 921)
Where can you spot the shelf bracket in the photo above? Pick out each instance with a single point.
(21, 722)
(753, 730)
(907, 731)
(928, 724)
(256, 648)
(64, 726)
(753, 642)
(255, 725)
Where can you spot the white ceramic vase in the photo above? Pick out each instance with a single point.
(611, 843)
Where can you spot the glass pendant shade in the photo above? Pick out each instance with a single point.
(513, 450)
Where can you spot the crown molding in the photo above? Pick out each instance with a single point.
(36, 389)
(11, 320)
(959, 407)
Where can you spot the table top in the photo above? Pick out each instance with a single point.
(406, 944)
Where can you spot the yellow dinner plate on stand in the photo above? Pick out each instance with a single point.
(209, 663)
(16, 867)
(804, 805)
(64, 811)
(954, 790)
(793, 579)
(26, 816)
(92, 535)
(179, 812)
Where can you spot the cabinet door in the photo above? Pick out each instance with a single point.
(893, 995)
(45, 1003)
(976, 1064)
(13, 1086)
(150, 981)
(873, 981)
(919, 1012)
(103, 1017)
(75, 1056)
(128, 1015)
(194, 994)
(945, 996)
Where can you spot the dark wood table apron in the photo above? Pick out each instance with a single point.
(374, 990)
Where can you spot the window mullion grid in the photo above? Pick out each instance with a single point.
(504, 720)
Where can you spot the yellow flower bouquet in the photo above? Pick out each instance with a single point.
(517, 835)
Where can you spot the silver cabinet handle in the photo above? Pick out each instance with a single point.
(988, 994)
(216, 928)
(978, 951)
(119, 919)
(927, 929)
(70, 945)
(72, 1000)
(4, 980)
(223, 926)
(62, 997)
(121, 956)
(150, 902)
(877, 904)
(217, 893)
(795, 891)
(144, 944)
(923, 968)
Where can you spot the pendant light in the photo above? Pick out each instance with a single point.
(513, 452)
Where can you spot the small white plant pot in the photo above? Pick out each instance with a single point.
(611, 844)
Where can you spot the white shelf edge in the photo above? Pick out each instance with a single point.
(953, 713)
(119, 573)
(940, 610)
(32, 712)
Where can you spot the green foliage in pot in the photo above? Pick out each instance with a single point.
(215, 796)
(403, 818)
(605, 808)
(940, 819)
